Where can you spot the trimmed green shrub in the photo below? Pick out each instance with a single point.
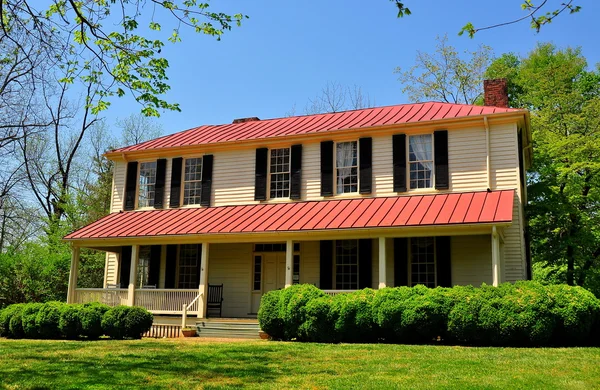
(69, 322)
(292, 305)
(318, 322)
(268, 315)
(577, 314)
(47, 320)
(126, 322)
(354, 316)
(5, 317)
(91, 315)
(28, 317)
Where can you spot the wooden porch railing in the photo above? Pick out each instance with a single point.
(108, 296)
(166, 301)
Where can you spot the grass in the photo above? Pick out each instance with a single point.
(183, 364)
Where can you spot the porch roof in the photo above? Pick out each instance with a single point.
(386, 212)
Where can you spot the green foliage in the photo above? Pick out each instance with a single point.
(6, 315)
(69, 322)
(292, 306)
(520, 314)
(47, 320)
(126, 322)
(28, 320)
(91, 315)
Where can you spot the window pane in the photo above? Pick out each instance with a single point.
(280, 173)
(257, 272)
(143, 267)
(192, 179)
(147, 182)
(422, 261)
(346, 264)
(346, 162)
(421, 161)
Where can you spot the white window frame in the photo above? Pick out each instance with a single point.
(179, 266)
(335, 264)
(410, 260)
(183, 181)
(139, 185)
(143, 269)
(335, 168)
(289, 173)
(408, 163)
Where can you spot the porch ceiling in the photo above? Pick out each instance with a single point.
(472, 208)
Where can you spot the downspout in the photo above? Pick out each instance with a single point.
(487, 155)
(495, 257)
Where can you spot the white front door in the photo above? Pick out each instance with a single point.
(273, 276)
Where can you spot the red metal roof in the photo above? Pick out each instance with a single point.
(297, 125)
(415, 210)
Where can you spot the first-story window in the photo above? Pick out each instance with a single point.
(422, 261)
(420, 157)
(346, 163)
(346, 264)
(143, 271)
(188, 266)
(192, 179)
(256, 282)
(280, 173)
(147, 182)
(296, 273)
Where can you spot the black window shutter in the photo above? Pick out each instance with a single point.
(296, 170)
(125, 266)
(327, 168)
(365, 254)
(444, 267)
(440, 140)
(159, 187)
(260, 181)
(154, 266)
(199, 262)
(399, 161)
(171, 266)
(130, 185)
(207, 173)
(326, 265)
(365, 148)
(400, 262)
(175, 182)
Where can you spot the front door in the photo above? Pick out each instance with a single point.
(273, 278)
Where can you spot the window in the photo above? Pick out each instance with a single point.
(143, 267)
(296, 273)
(346, 162)
(346, 264)
(422, 261)
(192, 179)
(146, 184)
(280, 173)
(420, 156)
(269, 248)
(257, 273)
(188, 266)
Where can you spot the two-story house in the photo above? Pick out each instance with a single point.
(427, 193)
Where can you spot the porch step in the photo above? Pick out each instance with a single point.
(228, 328)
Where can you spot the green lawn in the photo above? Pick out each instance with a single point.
(184, 364)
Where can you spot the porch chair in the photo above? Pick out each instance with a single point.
(215, 298)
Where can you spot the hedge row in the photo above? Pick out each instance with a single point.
(53, 320)
(524, 313)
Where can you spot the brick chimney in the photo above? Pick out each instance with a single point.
(243, 120)
(495, 93)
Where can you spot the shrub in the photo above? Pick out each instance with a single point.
(268, 315)
(47, 320)
(318, 324)
(387, 308)
(69, 322)
(126, 322)
(91, 315)
(353, 316)
(577, 315)
(28, 317)
(293, 306)
(5, 317)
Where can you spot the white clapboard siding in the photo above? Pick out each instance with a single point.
(514, 252)
(311, 171)
(118, 193)
(310, 262)
(111, 268)
(467, 165)
(471, 260)
(233, 177)
(504, 157)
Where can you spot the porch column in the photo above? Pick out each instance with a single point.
(203, 288)
(382, 263)
(289, 263)
(135, 251)
(495, 257)
(71, 294)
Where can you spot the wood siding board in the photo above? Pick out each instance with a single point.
(420, 211)
(475, 208)
(407, 211)
(471, 260)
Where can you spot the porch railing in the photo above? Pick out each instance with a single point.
(166, 301)
(336, 292)
(108, 296)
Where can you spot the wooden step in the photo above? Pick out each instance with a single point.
(226, 329)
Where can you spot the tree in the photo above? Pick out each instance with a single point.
(564, 182)
(445, 76)
(335, 97)
(82, 35)
(138, 128)
(534, 14)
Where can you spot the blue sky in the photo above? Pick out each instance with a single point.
(287, 51)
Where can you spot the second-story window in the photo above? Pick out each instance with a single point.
(192, 179)
(280, 173)
(420, 157)
(147, 183)
(346, 163)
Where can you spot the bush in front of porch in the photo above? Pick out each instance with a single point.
(524, 313)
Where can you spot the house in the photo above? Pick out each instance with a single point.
(427, 193)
